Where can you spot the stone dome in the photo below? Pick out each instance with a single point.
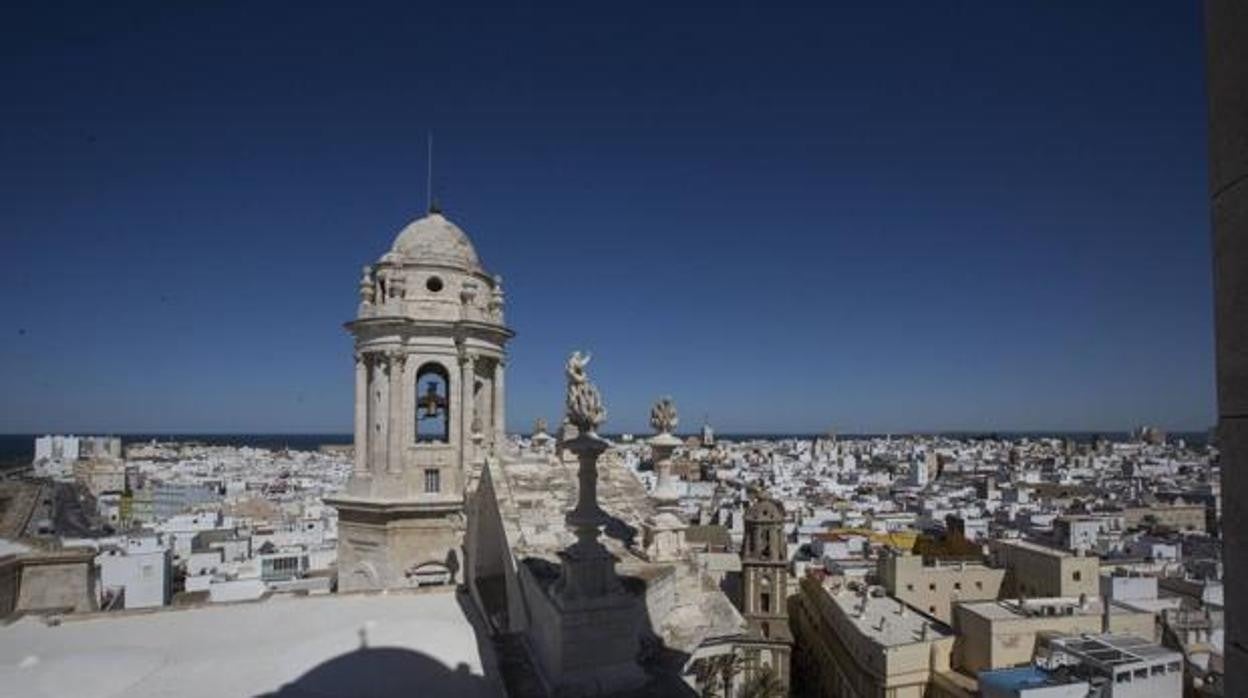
(436, 240)
(765, 510)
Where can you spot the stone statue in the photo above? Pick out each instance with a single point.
(576, 368)
(539, 427)
(584, 405)
(368, 292)
(496, 299)
(468, 295)
(663, 416)
(398, 286)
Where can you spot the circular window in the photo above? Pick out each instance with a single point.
(434, 284)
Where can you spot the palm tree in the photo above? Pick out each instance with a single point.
(716, 673)
(764, 684)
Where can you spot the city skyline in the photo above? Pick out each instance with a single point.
(781, 238)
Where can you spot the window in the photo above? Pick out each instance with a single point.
(1141, 673)
(764, 602)
(1124, 677)
(433, 404)
(932, 586)
(931, 609)
(957, 586)
(1174, 667)
(909, 587)
(1077, 576)
(433, 481)
(979, 586)
(1157, 669)
(434, 284)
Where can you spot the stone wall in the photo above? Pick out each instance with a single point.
(65, 584)
(1226, 26)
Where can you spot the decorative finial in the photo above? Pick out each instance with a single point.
(663, 416)
(584, 404)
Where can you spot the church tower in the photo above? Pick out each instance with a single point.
(429, 406)
(764, 599)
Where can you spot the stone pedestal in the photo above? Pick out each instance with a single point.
(588, 646)
(664, 537)
(392, 545)
(664, 533)
(587, 625)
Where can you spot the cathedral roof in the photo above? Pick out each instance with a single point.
(435, 240)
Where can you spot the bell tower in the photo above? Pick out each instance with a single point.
(767, 643)
(430, 401)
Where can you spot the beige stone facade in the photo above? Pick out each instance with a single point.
(1033, 570)
(100, 475)
(1180, 517)
(933, 589)
(860, 643)
(999, 634)
(764, 580)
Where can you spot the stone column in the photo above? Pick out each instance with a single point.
(380, 415)
(666, 490)
(588, 567)
(1226, 27)
(398, 386)
(500, 402)
(361, 414)
(665, 531)
(467, 378)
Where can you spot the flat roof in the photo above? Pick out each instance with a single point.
(352, 644)
(886, 620)
(1115, 650)
(1011, 609)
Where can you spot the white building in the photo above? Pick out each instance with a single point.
(136, 574)
(1122, 665)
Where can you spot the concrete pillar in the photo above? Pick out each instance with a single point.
(500, 401)
(1226, 27)
(398, 386)
(467, 377)
(361, 414)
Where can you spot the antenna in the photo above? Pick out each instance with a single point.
(429, 173)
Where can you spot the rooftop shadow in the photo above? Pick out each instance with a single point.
(382, 672)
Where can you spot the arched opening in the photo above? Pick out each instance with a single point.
(433, 404)
(430, 574)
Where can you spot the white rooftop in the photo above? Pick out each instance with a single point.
(358, 645)
(885, 619)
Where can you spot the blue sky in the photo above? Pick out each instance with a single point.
(917, 216)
